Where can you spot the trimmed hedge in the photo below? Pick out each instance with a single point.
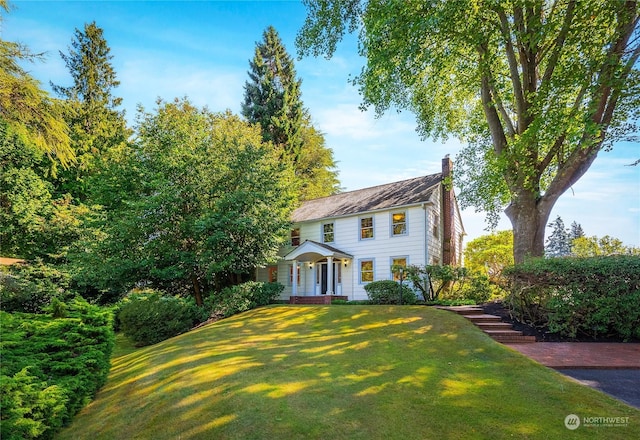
(388, 292)
(593, 297)
(51, 367)
(150, 317)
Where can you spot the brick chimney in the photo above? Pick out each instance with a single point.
(448, 212)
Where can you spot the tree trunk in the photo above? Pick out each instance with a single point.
(196, 290)
(529, 219)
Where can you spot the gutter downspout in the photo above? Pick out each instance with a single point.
(426, 244)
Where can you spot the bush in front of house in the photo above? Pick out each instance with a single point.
(149, 317)
(243, 297)
(388, 292)
(51, 366)
(591, 297)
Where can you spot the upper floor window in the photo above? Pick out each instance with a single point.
(366, 228)
(295, 237)
(327, 233)
(399, 223)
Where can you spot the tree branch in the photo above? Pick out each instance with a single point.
(559, 43)
(513, 65)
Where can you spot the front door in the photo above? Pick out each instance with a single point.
(324, 275)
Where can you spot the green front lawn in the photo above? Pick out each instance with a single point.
(339, 372)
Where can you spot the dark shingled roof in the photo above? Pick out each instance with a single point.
(406, 192)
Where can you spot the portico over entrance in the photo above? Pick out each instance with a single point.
(327, 261)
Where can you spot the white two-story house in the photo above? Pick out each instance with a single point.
(342, 242)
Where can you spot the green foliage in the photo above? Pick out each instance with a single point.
(388, 292)
(272, 96)
(594, 247)
(30, 288)
(243, 297)
(504, 77)
(96, 126)
(34, 222)
(490, 254)
(31, 113)
(149, 317)
(450, 283)
(579, 296)
(51, 367)
(213, 202)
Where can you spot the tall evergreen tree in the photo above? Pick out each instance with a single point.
(558, 244)
(272, 98)
(576, 231)
(97, 125)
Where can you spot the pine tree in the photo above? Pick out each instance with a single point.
(558, 242)
(272, 96)
(575, 233)
(97, 126)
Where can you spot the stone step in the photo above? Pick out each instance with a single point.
(483, 318)
(503, 332)
(515, 339)
(494, 325)
(466, 311)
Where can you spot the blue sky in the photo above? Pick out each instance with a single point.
(201, 49)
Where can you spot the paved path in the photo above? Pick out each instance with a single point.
(583, 355)
(621, 384)
(613, 368)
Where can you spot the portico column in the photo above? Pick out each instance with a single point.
(294, 281)
(329, 275)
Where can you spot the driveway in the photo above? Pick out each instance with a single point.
(621, 384)
(613, 368)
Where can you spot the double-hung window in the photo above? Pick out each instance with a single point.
(366, 271)
(295, 237)
(327, 233)
(399, 223)
(366, 228)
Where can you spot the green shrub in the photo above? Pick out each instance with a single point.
(29, 288)
(51, 367)
(388, 292)
(594, 297)
(150, 317)
(243, 297)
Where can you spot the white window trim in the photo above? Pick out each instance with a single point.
(406, 223)
(373, 227)
(333, 231)
(397, 257)
(373, 270)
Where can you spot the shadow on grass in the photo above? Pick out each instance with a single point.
(335, 372)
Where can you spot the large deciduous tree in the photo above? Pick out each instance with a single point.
(490, 254)
(536, 88)
(212, 203)
(272, 98)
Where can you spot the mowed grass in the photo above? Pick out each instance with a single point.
(339, 372)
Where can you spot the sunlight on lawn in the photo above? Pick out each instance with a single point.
(329, 372)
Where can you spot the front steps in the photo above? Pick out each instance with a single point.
(491, 325)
